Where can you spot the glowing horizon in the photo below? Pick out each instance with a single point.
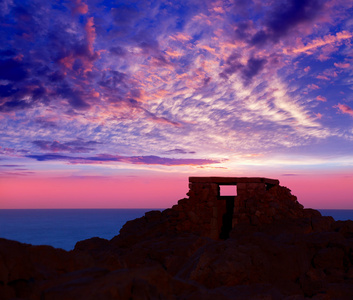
(97, 97)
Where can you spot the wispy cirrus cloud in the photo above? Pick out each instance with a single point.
(15, 170)
(144, 78)
(338, 38)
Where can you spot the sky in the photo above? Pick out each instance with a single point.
(114, 104)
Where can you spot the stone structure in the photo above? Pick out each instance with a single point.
(226, 209)
(256, 201)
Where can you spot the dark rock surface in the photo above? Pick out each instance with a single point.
(286, 252)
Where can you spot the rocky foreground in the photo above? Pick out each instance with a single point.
(277, 250)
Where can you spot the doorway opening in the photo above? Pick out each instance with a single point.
(227, 190)
(227, 193)
(227, 219)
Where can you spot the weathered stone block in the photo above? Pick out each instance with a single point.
(193, 217)
(214, 234)
(241, 186)
(214, 223)
(233, 180)
(255, 186)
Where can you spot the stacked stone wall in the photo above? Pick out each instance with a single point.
(258, 201)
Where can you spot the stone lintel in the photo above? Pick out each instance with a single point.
(233, 180)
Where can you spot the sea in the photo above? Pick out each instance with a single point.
(62, 228)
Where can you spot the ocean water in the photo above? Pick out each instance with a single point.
(338, 214)
(62, 228)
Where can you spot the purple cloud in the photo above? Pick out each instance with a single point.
(179, 151)
(19, 173)
(118, 51)
(12, 166)
(232, 65)
(252, 68)
(286, 17)
(76, 146)
(103, 158)
(73, 96)
(15, 104)
(291, 13)
(248, 71)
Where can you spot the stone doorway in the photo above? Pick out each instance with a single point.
(227, 194)
(209, 202)
(227, 218)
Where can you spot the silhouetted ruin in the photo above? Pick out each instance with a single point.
(255, 201)
(225, 209)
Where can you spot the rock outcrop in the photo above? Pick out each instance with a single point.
(259, 244)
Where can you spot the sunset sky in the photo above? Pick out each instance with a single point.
(116, 103)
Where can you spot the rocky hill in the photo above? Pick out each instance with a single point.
(258, 244)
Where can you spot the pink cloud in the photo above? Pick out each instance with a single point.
(219, 10)
(208, 48)
(326, 40)
(345, 109)
(326, 52)
(202, 18)
(67, 61)
(163, 120)
(318, 115)
(80, 7)
(181, 37)
(322, 77)
(88, 59)
(91, 33)
(313, 86)
(342, 65)
(321, 98)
